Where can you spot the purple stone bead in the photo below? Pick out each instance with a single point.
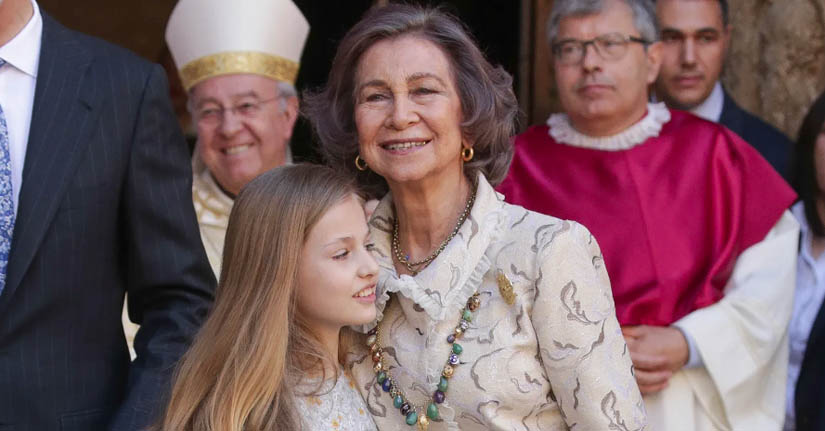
(438, 397)
(451, 338)
(387, 385)
(453, 359)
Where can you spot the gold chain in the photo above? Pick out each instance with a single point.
(402, 258)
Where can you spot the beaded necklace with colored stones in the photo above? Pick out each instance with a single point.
(414, 414)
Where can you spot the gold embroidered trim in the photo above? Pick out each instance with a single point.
(226, 63)
(205, 205)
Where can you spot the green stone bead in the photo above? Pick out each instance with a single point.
(412, 418)
(381, 377)
(432, 411)
(398, 401)
(442, 384)
(468, 315)
(457, 349)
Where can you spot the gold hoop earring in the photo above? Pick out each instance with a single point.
(360, 164)
(467, 154)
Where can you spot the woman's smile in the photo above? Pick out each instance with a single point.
(402, 147)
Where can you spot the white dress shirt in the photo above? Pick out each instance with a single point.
(18, 78)
(711, 108)
(810, 291)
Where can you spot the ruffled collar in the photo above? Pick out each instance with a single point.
(563, 132)
(443, 287)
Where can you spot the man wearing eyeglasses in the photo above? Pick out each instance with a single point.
(693, 223)
(239, 76)
(695, 35)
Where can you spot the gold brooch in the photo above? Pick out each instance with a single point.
(505, 288)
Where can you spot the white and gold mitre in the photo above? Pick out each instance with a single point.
(209, 38)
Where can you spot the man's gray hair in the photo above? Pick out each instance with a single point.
(285, 91)
(644, 16)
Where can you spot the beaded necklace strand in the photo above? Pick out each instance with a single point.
(414, 414)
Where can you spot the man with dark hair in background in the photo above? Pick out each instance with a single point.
(695, 36)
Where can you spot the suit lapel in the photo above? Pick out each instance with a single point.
(732, 115)
(62, 120)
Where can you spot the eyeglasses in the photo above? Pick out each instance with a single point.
(248, 110)
(610, 46)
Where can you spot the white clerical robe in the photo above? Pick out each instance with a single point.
(212, 207)
(743, 343)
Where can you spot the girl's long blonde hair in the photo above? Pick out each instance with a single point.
(253, 348)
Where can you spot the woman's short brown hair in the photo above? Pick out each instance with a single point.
(488, 104)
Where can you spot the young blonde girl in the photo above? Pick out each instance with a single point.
(296, 269)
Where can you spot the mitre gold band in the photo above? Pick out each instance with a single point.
(226, 63)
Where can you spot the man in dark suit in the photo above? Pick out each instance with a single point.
(95, 199)
(695, 36)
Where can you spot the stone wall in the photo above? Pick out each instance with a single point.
(776, 65)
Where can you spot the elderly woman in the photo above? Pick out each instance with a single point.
(489, 316)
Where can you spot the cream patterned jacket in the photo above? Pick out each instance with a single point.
(553, 360)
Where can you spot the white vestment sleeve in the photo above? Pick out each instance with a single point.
(742, 339)
(694, 358)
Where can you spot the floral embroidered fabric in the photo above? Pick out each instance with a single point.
(339, 408)
(553, 360)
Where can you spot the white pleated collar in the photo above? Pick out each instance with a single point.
(442, 288)
(648, 127)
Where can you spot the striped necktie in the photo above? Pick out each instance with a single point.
(6, 198)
